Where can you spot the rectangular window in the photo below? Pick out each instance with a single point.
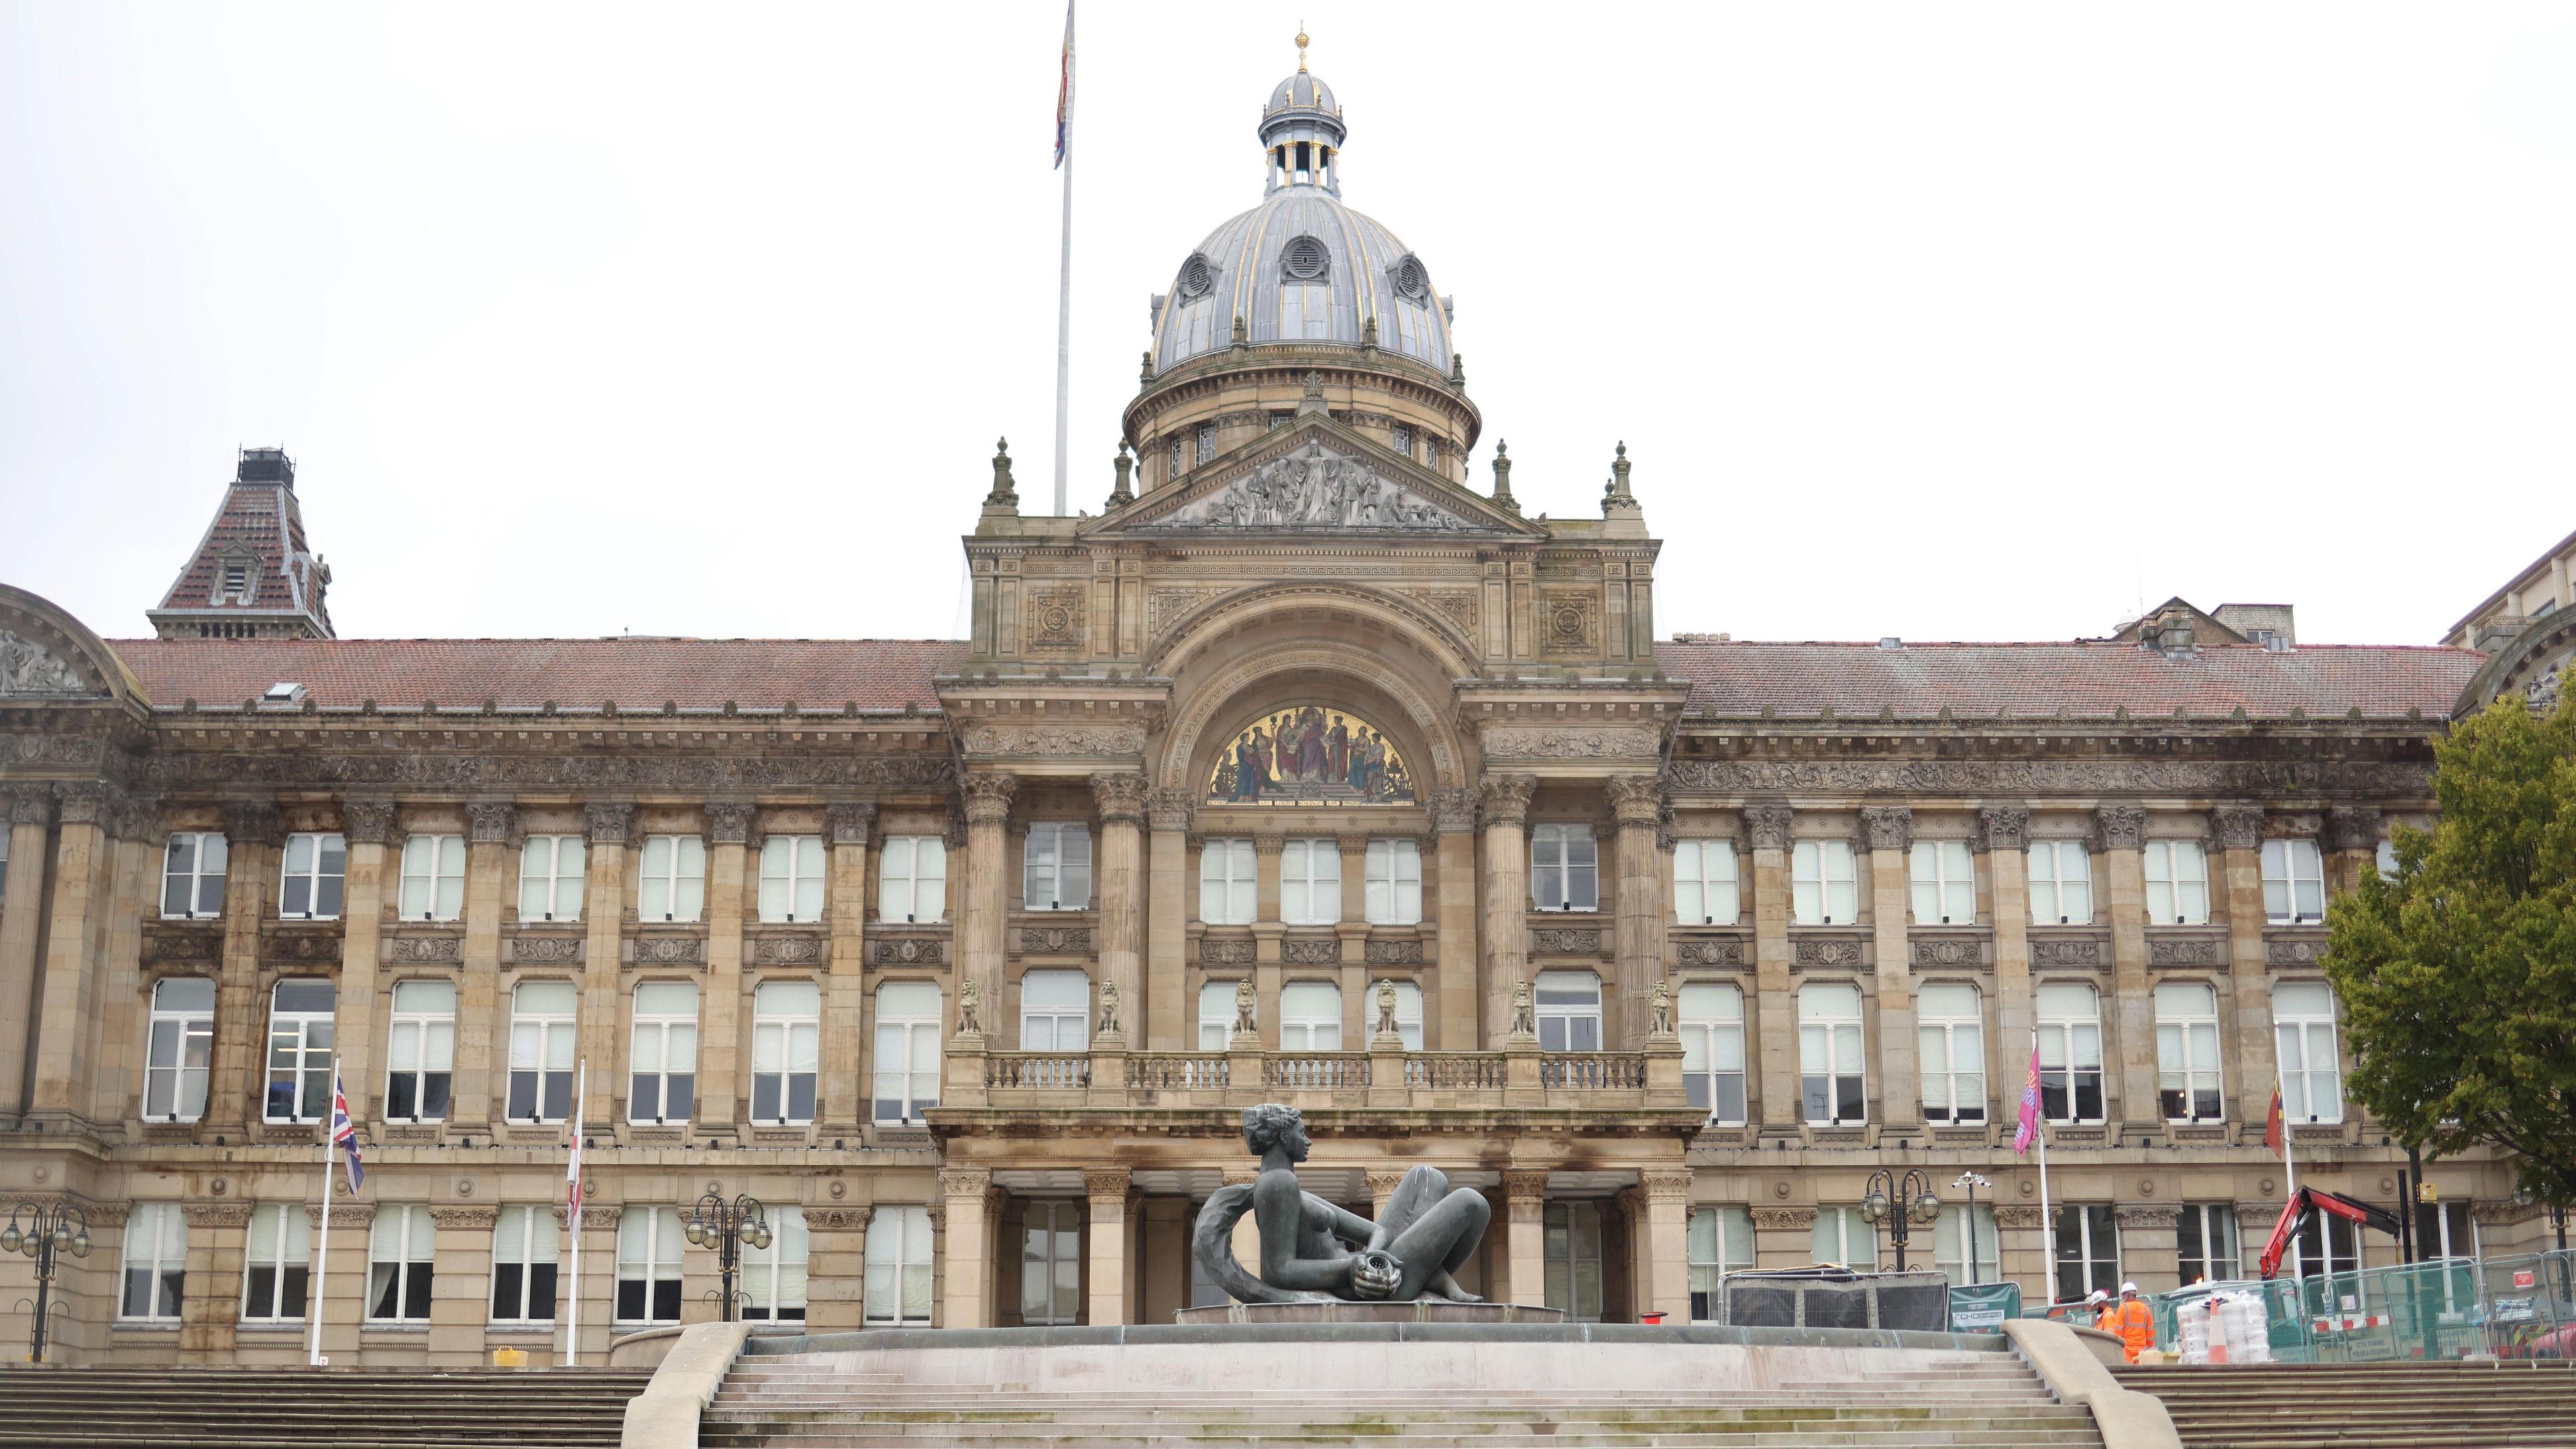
(523, 1265)
(433, 877)
(672, 885)
(1569, 1011)
(2385, 858)
(1572, 1244)
(1945, 883)
(1207, 442)
(192, 876)
(1228, 888)
(1712, 1028)
(311, 877)
(1821, 889)
(299, 1052)
(1951, 1048)
(1055, 1009)
(2061, 884)
(2294, 883)
(179, 1049)
(2088, 1251)
(1310, 883)
(1056, 868)
(541, 1047)
(2303, 1028)
(896, 1287)
(1950, 1241)
(2187, 1051)
(2070, 1052)
(1310, 1017)
(2327, 1245)
(1832, 1076)
(648, 1265)
(1051, 1263)
(1843, 1236)
(773, 1278)
(1216, 1015)
(786, 1050)
(156, 1263)
(791, 878)
(550, 878)
(402, 1247)
(1705, 892)
(2177, 883)
(912, 879)
(420, 1052)
(1400, 438)
(1721, 1242)
(662, 1070)
(277, 1264)
(1394, 893)
(1565, 868)
(2205, 1243)
(907, 1055)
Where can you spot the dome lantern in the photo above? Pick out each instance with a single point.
(1301, 130)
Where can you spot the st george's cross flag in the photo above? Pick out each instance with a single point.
(2029, 1130)
(345, 1132)
(1064, 92)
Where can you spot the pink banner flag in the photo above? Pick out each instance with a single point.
(2029, 1130)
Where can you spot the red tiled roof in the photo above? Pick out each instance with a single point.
(813, 674)
(2086, 679)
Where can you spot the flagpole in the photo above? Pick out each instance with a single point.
(322, 1259)
(2047, 1220)
(2289, 1138)
(1064, 281)
(572, 1309)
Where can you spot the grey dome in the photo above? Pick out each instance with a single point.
(1302, 92)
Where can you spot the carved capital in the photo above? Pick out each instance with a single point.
(84, 803)
(988, 797)
(849, 822)
(1453, 811)
(2237, 827)
(2147, 1215)
(344, 1214)
(1767, 826)
(479, 1219)
(1382, 1183)
(959, 1183)
(1524, 1186)
(31, 805)
(2017, 1215)
(1168, 808)
(2004, 827)
(252, 822)
(1887, 827)
(729, 822)
(2119, 827)
(606, 822)
(1268, 844)
(1105, 1182)
(1635, 799)
(493, 822)
(216, 1214)
(133, 817)
(1665, 1185)
(1777, 1218)
(1119, 795)
(839, 1219)
(367, 821)
(2353, 827)
(1507, 799)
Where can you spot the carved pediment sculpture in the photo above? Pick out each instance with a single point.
(27, 668)
(1313, 489)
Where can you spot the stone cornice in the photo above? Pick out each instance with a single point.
(808, 766)
(2026, 779)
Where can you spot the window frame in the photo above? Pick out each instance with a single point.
(779, 1033)
(1312, 895)
(2192, 1230)
(421, 1025)
(1949, 898)
(1954, 1221)
(761, 1301)
(1692, 860)
(674, 876)
(1057, 1211)
(1565, 865)
(908, 1223)
(1834, 1033)
(440, 891)
(664, 1246)
(663, 1027)
(910, 879)
(1055, 1015)
(1948, 1029)
(284, 1282)
(1219, 991)
(1569, 1017)
(2070, 1033)
(2189, 1032)
(2059, 881)
(548, 1024)
(536, 1275)
(2180, 909)
(201, 888)
(318, 846)
(1813, 886)
(1231, 873)
(2092, 1263)
(797, 867)
(1058, 866)
(2292, 867)
(1562, 1258)
(1709, 1268)
(1849, 1226)
(1203, 445)
(164, 1263)
(1311, 1023)
(2307, 1025)
(308, 1079)
(918, 1029)
(1391, 882)
(191, 1026)
(416, 1268)
(1707, 1035)
(542, 867)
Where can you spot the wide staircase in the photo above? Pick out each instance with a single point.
(274, 1408)
(2362, 1406)
(833, 1401)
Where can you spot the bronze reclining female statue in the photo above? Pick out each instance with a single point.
(1313, 1251)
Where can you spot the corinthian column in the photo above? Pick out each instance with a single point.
(1507, 802)
(1635, 802)
(1164, 1009)
(1120, 799)
(987, 903)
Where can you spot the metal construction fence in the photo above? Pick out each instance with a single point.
(2443, 1308)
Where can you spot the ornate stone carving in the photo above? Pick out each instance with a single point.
(1108, 1010)
(1056, 739)
(490, 822)
(839, 1219)
(410, 771)
(1394, 953)
(607, 821)
(2236, 827)
(1949, 951)
(1829, 951)
(2295, 950)
(216, 1214)
(1167, 808)
(848, 822)
(2015, 1215)
(1109, 1183)
(1387, 1025)
(176, 947)
(2004, 827)
(1310, 490)
(1704, 951)
(729, 822)
(1659, 1020)
(344, 1214)
(1782, 1218)
(478, 1218)
(1054, 940)
(908, 951)
(1310, 950)
(1569, 621)
(670, 951)
(1767, 826)
(30, 805)
(2119, 827)
(1564, 941)
(26, 668)
(252, 822)
(2182, 951)
(84, 803)
(2494, 1213)
(1523, 1184)
(2353, 827)
(988, 797)
(367, 821)
(1120, 796)
(1558, 742)
(2034, 778)
(1218, 951)
(1453, 812)
(1054, 617)
(2065, 951)
(970, 1001)
(798, 949)
(301, 948)
(544, 950)
(1887, 827)
(1664, 1185)
(1166, 607)
(1458, 606)
(424, 950)
(1246, 1008)
(1635, 799)
(1506, 799)
(1524, 1009)
(87, 750)
(2147, 1215)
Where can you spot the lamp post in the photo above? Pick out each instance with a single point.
(1971, 1182)
(728, 1227)
(50, 1229)
(1899, 1204)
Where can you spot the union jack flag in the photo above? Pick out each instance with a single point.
(345, 1132)
(1064, 92)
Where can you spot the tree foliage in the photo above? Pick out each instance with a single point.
(2458, 977)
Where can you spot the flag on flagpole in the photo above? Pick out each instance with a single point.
(345, 1132)
(572, 1172)
(2028, 1132)
(2272, 1121)
(1064, 92)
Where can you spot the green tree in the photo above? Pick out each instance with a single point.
(2458, 976)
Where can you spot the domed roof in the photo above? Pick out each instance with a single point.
(1302, 92)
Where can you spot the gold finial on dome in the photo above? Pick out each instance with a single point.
(1301, 47)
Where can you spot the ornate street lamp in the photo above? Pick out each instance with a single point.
(1972, 1182)
(41, 1231)
(728, 1227)
(1899, 1204)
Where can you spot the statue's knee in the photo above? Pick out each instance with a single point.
(1473, 1205)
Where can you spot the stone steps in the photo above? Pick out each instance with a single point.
(2419, 1406)
(237, 1408)
(1995, 1433)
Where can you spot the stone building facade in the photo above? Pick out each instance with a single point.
(1306, 771)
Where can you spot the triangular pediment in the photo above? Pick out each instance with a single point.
(1313, 476)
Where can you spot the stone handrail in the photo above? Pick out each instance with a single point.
(1314, 1071)
(1593, 1071)
(1454, 1069)
(1037, 1069)
(1167, 1073)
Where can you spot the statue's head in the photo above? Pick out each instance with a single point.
(1274, 1124)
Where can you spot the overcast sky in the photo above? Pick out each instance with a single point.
(1941, 321)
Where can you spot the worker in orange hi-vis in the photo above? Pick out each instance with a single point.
(2098, 1303)
(2133, 1320)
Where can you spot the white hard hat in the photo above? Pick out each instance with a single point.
(2128, 1287)
(2098, 1295)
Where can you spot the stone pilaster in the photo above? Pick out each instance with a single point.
(2148, 1245)
(968, 1268)
(1784, 1237)
(841, 1092)
(987, 903)
(21, 899)
(367, 826)
(1635, 803)
(81, 895)
(603, 907)
(1525, 1231)
(251, 843)
(1506, 801)
(460, 1293)
(344, 1285)
(2004, 831)
(730, 899)
(1450, 878)
(1888, 831)
(482, 1096)
(2247, 1057)
(2119, 841)
(1775, 1015)
(210, 1296)
(1119, 877)
(2352, 837)
(1667, 1232)
(1106, 1191)
(1165, 1013)
(836, 1257)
